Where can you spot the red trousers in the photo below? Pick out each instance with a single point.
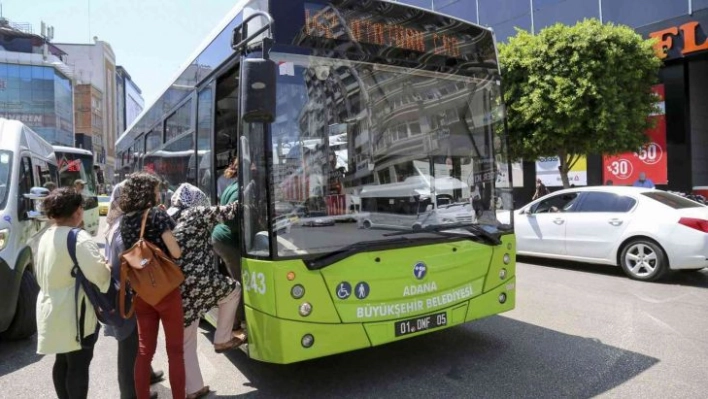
(169, 311)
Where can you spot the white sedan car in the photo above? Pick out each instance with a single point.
(645, 231)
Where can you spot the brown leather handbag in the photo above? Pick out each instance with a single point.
(150, 272)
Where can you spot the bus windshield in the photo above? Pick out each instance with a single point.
(73, 167)
(5, 169)
(381, 147)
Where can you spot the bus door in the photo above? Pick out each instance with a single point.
(226, 128)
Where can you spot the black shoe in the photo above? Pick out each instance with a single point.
(153, 395)
(157, 376)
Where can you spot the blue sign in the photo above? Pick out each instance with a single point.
(419, 270)
(344, 289)
(361, 290)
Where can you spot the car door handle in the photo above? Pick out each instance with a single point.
(558, 221)
(615, 222)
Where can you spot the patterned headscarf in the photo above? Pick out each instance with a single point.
(187, 196)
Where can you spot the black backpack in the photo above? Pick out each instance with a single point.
(104, 304)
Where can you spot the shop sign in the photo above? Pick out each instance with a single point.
(547, 170)
(624, 169)
(680, 40)
(31, 120)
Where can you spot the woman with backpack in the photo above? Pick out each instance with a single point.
(59, 330)
(126, 334)
(203, 288)
(141, 195)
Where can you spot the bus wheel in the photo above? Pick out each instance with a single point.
(24, 325)
(367, 224)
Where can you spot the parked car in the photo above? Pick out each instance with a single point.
(103, 204)
(647, 232)
(317, 218)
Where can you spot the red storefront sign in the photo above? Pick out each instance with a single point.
(624, 169)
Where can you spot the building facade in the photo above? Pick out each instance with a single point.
(129, 100)
(89, 117)
(680, 153)
(36, 85)
(95, 64)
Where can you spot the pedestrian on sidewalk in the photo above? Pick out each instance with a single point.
(204, 288)
(541, 190)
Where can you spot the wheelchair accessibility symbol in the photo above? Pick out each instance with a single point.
(344, 290)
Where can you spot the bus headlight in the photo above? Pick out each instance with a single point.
(4, 237)
(307, 340)
(502, 274)
(502, 297)
(297, 291)
(305, 309)
(506, 259)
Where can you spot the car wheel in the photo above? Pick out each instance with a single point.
(367, 224)
(644, 260)
(24, 324)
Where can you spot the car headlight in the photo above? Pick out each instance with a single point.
(4, 237)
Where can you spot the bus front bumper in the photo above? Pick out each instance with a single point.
(283, 341)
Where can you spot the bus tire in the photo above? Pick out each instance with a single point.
(24, 324)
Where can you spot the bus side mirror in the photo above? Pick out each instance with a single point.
(258, 90)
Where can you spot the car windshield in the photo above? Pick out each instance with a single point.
(672, 200)
(104, 199)
(5, 169)
(375, 147)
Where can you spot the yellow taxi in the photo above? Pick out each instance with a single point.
(103, 204)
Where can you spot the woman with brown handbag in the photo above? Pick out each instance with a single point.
(141, 195)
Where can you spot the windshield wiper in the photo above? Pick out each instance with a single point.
(473, 228)
(329, 258)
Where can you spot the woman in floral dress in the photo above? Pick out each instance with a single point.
(204, 288)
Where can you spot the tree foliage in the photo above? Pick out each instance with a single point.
(576, 90)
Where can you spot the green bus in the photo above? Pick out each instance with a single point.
(323, 101)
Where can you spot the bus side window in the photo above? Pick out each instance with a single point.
(24, 205)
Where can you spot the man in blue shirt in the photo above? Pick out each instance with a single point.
(643, 181)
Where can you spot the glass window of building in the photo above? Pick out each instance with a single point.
(505, 16)
(636, 14)
(549, 12)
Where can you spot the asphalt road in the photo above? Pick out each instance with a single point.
(578, 331)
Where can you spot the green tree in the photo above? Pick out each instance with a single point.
(576, 90)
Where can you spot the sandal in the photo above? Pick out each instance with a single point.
(200, 393)
(227, 346)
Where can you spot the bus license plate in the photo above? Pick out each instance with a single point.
(422, 323)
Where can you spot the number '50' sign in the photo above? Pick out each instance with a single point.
(650, 153)
(254, 282)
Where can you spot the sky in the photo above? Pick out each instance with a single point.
(151, 39)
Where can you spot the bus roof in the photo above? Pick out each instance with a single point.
(191, 60)
(187, 77)
(72, 150)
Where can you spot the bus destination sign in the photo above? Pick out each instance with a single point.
(334, 24)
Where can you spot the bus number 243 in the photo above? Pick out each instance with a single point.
(254, 282)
